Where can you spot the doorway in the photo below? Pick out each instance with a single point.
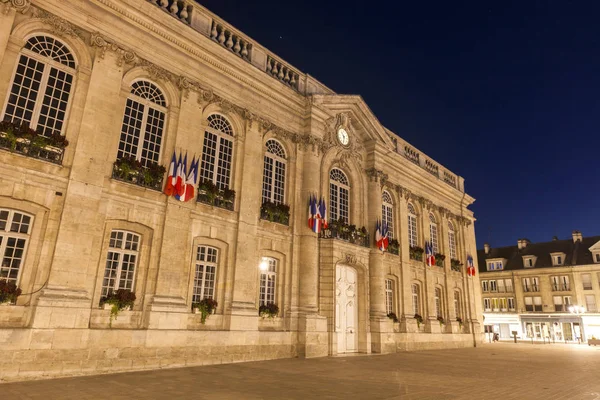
(346, 309)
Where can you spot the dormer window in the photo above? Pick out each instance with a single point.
(529, 261)
(558, 258)
(597, 258)
(595, 250)
(495, 265)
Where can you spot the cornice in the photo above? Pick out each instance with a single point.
(19, 5)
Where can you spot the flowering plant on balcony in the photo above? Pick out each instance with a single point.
(119, 300)
(209, 193)
(455, 264)
(275, 212)
(394, 247)
(439, 259)
(269, 310)
(393, 316)
(419, 320)
(206, 307)
(129, 169)
(416, 253)
(441, 320)
(14, 131)
(9, 291)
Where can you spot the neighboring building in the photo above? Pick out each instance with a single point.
(536, 289)
(130, 82)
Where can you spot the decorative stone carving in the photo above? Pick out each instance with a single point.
(376, 175)
(58, 25)
(19, 5)
(351, 259)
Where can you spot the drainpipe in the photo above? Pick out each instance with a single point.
(466, 279)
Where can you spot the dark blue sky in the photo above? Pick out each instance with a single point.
(504, 93)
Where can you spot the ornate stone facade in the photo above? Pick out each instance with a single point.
(78, 222)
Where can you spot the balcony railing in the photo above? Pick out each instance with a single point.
(355, 236)
(278, 213)
(394, 247)
(34, 148)
(150, 178)
(218, 200)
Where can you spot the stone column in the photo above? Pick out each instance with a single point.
(451, 324)
(65, 302)
(7, 19)
(312, 327)
(407, 321)
(472, 286)
(431, 323)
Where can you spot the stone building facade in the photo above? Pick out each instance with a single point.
(546, 291)
(129, 82)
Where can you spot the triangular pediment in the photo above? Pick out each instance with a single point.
(595, 247)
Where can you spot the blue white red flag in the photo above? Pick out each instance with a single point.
(190, 183)
(470, 266)
(429, 254)
(323, 214)
(180, 195)
(312, 212)
(170, 184)
(178, 177)
(381, 235)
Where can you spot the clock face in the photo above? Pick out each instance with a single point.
(343, 136)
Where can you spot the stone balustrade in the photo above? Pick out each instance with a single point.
(412, 154)
(231, 40)
(282, 72)
(180, 9)
(432, 168)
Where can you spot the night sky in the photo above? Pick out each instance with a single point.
(503, 93)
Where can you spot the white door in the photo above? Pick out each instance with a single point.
(346, 312)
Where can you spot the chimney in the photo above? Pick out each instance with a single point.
(522, 243)
(486, 248)
(554, 238)
(577, 236)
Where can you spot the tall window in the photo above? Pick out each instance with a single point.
(560, 283)
(433, 233)
(412, 226)
(389, 295)
(274, 173)
(487, 304)
(485, 287)
(217, 152)
(451, 241)
(15, 228)
(590, 303)
(268, 280)
(41, 86)
(457, 309)
(339, 196)
(207, 259)
(558, 303)
(586, 279)
(387, 212)
(123, 252)
(143, 123)
(438, 302)
(415, 299)
(511, 303)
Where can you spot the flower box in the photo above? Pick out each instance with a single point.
(275, 212)
(209, 193)
(128, 169)
(25, 141)
(394, 247)
(416, 253)
(348, 233)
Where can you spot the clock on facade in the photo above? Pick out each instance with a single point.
(343, 136)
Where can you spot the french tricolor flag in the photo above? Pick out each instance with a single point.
(470, 266)
(429, 254)
(171, 177)
(381, 235)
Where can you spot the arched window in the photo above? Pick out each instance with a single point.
(207, 259)
(389, 296)
(217, 152)
(274, 173)
(121, 261)
(339, 196)
(433, 233)
(438, 302)
(15, 228)
(387, 212)
(416, 301)
(268, 282)
(451, 241)
(41, 86)
(143, 121)
(457, 307)
(412, 226)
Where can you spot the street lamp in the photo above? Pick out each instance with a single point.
(578, 310)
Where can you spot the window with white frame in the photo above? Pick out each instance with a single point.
(590, 303)
(487, 304)
(597, 257)
(528, 262)
(531, 284)
(121, 261)
(438, 302)
(415, 299)
(528, 304)
(535, 284)
(485, 286)
(511, 303)
(452, 241)
(433, 233)
(503, 304)
(537, 303)
(143, 124)
(558, 304)
(495, 305)
(586, 279)
(560, 283)
(495, 265)
(217, 151)
(567, 301)
(389, 296)
(41, 86)
(493, 286)
(268, 281)
(500, 284)
(457, 308)
(339, 196)
(508, 284)
(207, 260)
(274, 173)
(412, 226)
(15, 228)
(387, 212)
(558, 258)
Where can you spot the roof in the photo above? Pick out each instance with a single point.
(576, 253)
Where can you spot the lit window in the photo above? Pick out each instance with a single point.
(457, 307)
(438, 302)
(119, 273)
(586, 279)
(387, 212)
(511, 304)
(15, 228)
(412, 226)
(268, 280)
(274, 173)
(217, 152)
(339, 196)
(415, 299)
(451, 241)
(389, 296)
(433, 233)
(493, 287)
(487, 304)
(590, 303)
(41, 86)
(207, 259)
(485, 286)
